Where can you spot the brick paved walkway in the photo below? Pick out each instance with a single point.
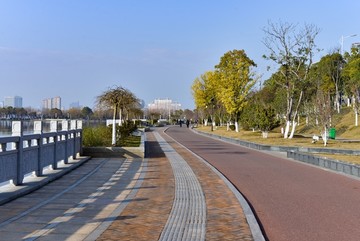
(146, 216)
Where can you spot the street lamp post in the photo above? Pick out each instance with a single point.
(342, 41)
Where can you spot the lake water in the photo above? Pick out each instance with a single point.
(28, 125)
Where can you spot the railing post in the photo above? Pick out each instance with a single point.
(38, 129)
(73, 128)
(65, 127)
(53, 129)
(17, 130)
(79, 127)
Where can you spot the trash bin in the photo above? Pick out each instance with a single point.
(332, 133)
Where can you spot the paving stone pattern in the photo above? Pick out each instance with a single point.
(188, 215)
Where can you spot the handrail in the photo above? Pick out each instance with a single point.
(23, 154)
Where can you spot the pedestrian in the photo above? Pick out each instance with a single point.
(187, 123)
(180, 123)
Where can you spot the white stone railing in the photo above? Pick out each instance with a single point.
(21, 154)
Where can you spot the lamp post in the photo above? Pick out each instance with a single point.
(342, 41)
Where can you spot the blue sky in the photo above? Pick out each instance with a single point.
(78, 49)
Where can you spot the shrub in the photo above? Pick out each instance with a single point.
(232, 127)
(125, 130)
(102, 135)
(97, 136)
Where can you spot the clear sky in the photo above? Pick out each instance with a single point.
(77, 49)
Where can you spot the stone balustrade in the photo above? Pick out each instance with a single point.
(21, 154)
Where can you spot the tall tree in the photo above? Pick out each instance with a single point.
(351, 74)
(292, 51)
(205, 93)
(237, 79)
(329, 68)
(322, 89)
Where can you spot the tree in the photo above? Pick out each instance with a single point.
(236, 80)
(351, 74)
(74, 113)
(55, 113)
(127, 102)
(292, 50)
(265, 119)
(329, 69)
(259, 113)
(205, 93)
(117, 99)
(189, 114)
(86, 112)
(321, 92)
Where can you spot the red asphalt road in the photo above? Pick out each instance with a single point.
(293, 201)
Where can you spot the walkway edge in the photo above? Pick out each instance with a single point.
(250, 216)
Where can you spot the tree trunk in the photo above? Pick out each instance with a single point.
(337, 98)
(295, 116)
(236, 126)
(120, 117)
(113, 135)
(294, 124)
(324, 136)
(287, 128)
(356, 116)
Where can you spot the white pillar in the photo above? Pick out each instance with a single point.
(53, 126)
(38, 127)
(64, 125)
(73, 125)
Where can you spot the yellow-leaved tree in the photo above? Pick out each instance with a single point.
(237, 79)
(204, 91)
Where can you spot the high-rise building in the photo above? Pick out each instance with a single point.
(51, 103)
(13, 101)
(46, 103)
(56, 102)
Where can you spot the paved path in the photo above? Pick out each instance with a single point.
(170, 195)
(293, 201)
(164, 192)
(74, 207)
(187, 218)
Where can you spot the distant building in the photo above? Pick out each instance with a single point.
(46, 103)
(56, 102)
(13, 101)
(142, 104)
(164, 106)
(74, 105)
(51, 103)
